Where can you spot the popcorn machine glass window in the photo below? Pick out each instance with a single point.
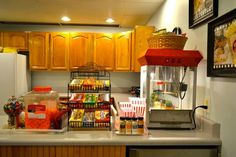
(168, 82)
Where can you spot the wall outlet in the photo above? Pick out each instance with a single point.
(207, 103)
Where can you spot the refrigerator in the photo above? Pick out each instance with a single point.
(15, 79)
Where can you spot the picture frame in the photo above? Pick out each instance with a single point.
(221, 48)
(201, 11)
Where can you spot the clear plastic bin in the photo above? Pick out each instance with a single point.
(40, 108)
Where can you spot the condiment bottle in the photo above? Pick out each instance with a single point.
(134, 126)
(128, 125)
(122, 125)
(140, 125)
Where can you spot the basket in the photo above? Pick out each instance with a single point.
(167, 42)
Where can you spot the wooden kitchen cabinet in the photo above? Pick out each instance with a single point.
(104, 54)
(1, 39)
(63, 51)
(59, 48)
(38, 50)
(140, 45)
(123, 42)
(63, 151)
(80, 50)
(17, 40)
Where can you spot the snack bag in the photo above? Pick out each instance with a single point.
(77, 115)
(102, 116)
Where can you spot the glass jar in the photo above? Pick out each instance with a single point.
(128, 126)
(122, 125)
(134, 125)
(40, 107)
(140, 125)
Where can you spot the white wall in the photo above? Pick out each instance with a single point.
(220, 92)
(120, 81)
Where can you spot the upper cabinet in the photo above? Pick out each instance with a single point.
(80, 50)
(38, 50)
(104, 50)
(140, 45)
(17, 40)
(68, 51)
(123, 42)
(59, 48)
(1, 39)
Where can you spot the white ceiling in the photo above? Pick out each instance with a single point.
(126, 13)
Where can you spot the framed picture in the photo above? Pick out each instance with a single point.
(221, 48)
(201, 11)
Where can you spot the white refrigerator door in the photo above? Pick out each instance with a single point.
(13, 80)
(21, 82)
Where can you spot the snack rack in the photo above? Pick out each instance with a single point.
(89, 92)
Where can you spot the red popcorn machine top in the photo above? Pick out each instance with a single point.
(168, 82)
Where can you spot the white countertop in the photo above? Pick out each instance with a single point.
(207, 135)
(156, 137)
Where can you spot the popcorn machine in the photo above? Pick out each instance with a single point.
(168, 82)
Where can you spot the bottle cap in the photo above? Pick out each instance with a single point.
(122, 118)
(140, 118)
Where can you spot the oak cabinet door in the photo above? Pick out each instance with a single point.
(104, 50)
(141, 34)
(59, 47)
(38, 50)
(1, 39)
(123, 42)
(80, 50)
(63, 151)
(17, 40)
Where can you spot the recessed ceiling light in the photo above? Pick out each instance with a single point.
(65, 18)
(109, 20)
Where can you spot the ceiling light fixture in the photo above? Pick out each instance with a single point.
(109, 20)
(65, 19)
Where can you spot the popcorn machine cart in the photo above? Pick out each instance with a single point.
(168, 82)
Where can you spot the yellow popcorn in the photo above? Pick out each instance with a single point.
(231, 29)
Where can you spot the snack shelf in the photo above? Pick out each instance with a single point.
(88, 129)
(77, 125)
(89, 93)
(92, 106)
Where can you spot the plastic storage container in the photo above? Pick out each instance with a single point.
(40, 108)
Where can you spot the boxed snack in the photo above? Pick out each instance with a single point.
(102, 116)
(77, 115)
(88, 119)
(76, 118)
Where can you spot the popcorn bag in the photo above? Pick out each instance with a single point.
(126, 109)
(138, 106)
(134, 108)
